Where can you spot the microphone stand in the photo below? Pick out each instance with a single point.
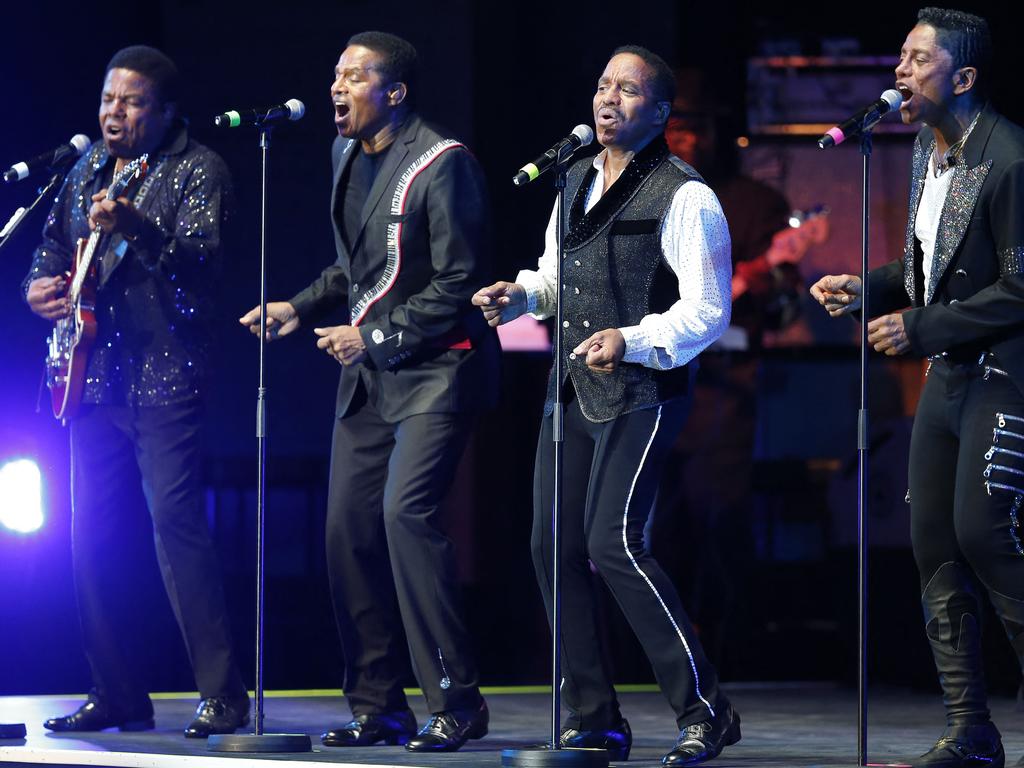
(863, 443)
(259, 741)
(553, 754)
(22, 213)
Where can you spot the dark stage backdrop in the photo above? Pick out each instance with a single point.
(509, 79)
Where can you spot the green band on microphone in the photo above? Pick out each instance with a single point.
(234, 119)
(531, 170)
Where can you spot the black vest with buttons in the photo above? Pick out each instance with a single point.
(614, 274)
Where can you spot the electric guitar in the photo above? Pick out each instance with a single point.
(72, 337)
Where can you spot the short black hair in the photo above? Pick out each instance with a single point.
(152, 63)
(965, 36)
(663, 81)
(400, 60)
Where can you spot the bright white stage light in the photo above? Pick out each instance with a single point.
(21, 496)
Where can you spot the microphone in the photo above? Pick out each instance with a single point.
(863, 120)
(293, 109)
(581, 136)
(54, 159)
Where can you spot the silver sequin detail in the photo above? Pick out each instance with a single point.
(956, 215)
(1011, 261)
(446, 682)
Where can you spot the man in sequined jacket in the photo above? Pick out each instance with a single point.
(962, 275)
(141, 413)
(645, 288)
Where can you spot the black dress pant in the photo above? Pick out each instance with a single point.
(390, 564)
(966, 513)
(113, 448)
(611, 472)
(966, 473)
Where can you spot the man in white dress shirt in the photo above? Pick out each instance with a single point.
(646, 279)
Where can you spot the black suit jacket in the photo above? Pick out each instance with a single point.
(976, 290)
(421, 253)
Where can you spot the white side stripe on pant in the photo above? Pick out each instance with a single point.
(625, 545)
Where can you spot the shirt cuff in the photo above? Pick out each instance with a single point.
(638, 344)
(533, 285)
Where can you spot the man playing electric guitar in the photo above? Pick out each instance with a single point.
(141, 411)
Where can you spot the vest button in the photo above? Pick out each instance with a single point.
(586, 323)
(565, 323)
(572, 355)
(577, 263)
(576, 291)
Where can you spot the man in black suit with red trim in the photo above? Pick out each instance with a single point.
(410, 226)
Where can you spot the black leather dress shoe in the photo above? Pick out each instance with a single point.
(965, 746)
(364, 730)
(705, 740)
(447, 731)
(218, 714)
(98, 714)
(617, 741)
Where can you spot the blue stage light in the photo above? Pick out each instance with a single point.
(21, 496)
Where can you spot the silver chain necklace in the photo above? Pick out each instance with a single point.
(952, 155)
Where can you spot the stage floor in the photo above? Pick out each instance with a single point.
(784, 726)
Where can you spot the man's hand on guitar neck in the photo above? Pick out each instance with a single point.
(117, 215)
(46, 297)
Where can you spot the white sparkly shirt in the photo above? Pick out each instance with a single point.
(696, 246)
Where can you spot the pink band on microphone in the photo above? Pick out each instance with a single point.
(837, 135)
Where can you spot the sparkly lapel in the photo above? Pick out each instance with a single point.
(922, 151)
(968, 178)
(964, 189)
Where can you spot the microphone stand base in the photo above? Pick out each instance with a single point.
(544, 756)
(267, 742)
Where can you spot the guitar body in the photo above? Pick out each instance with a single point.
(71, 342)
(73, 336)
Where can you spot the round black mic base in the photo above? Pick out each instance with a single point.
(267, 742)
(545, 756)
(12, 731)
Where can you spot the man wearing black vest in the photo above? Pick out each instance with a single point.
(962, 277)
(410, 226)
(646, 288)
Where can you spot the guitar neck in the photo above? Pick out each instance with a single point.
(82, 268)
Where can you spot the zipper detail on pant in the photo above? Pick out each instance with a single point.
(1002, 418)
(995, 449)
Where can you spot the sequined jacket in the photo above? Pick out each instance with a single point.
(154, 313)
(976, 298)
(420, 254)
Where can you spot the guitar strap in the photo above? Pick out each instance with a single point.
(118, 245)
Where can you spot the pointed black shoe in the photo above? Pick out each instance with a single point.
(218, 714)
(705, 740)
(965, 746)
(448, 731)
(97, 714)
(365, 730)
(616, 741)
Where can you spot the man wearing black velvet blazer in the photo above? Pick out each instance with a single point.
(962, 275)
(410, 226)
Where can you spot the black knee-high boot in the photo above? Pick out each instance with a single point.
(951, 611)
